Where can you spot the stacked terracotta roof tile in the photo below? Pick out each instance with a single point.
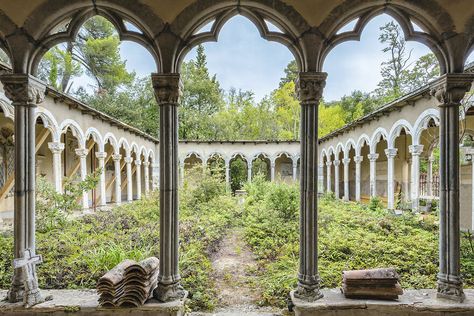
(371, 284)
(129, 283)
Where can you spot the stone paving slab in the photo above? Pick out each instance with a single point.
(412, 302)
(85, 302)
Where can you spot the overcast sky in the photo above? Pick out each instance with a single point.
(242, 59)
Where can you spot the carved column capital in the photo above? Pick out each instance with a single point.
(167, 88)
(391, 152)
(146, 164)
(116, 157)
(128, 160)
(23, 89)
(358, 159)
(56, 147)
(337, 163)
(373, 156)
(328, 163)
(415, 150)
(138, 162)
(346, 161)
(82, 152)
(450, 89)
(310, 86)
(101, 155)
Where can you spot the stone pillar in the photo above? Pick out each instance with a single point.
(227, 173)
(128, 161)
(118, 178)
(295, 169)
(373, 173)
(449, 90)
(82, 153)
(309, 89)
(336, 178)
(102, 189)
(167, 91)
(181, 173)
(430, 176)
(470, 151)
(57, 149)
(328, 176)
(138, 173)
(25, 92)
(249, 171)
(272, 170)
(415, 151)
(146, 171)
(156, 176)
(391, 153)
(358, 161)
(321, 178)
(346, 162)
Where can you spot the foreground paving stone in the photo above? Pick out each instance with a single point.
(85, 302)
(412, 303)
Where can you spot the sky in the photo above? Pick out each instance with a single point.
(243, 60)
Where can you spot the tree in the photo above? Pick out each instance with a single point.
(393, 68)
(426, 68)
(287, 111)
(95, 51)
(291, 73)
(330, 119)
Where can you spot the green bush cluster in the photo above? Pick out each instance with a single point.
(80, 250)
(351, 236)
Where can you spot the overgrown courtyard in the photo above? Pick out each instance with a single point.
(79, 250)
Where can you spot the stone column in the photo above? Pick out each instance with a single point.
(358, 161)
(295, 169)
(309, 89)
(373, 173)
(430, 176)
(391, 153)
(415, 151)
(167, 91)
(346, 162)
(156, 176)
(26, 93)
(146, 171)
(102, 189)
(336, 178)
(227, 173)
(449, 90)
(328, 176)
(118, 178)
(57, 149)
(249, 171)
(470, 151)
(272, 170)
(128, 161)
(82, 153)
(138, 173)
(181, 173)
(321, 178)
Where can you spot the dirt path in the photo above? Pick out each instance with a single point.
(233, 268)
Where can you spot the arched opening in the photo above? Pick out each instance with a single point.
(285, 168)
(402, 170)
(238, 171)
(7, 162)
(261, 166)
(216, 165)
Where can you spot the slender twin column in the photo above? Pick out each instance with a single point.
(272, 170)
(118, 178)
(146, 171)
(82, 154)
(156, 176)
(26, 93)
(320, 178)
(373, 173)
(415, 151)
(309, 89)
(391, 153)
(138, 177)
(449, 90)
(57, 149)
(249, 171)
(336, 178)
(470, 151)
(346, 162)
(227, 173)
(358, 161)
(328, 176)
(430, 176)
(128, 161)
(295, 169)
(103, 195)
(181, 173)
(167, 92)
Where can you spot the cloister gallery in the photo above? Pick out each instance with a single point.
(49, 133)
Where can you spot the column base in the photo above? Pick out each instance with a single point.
(169, 292)
(309, 292)
(450, 287)
(33, 297)
(16, 293)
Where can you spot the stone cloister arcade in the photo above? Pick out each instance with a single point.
(310, 29)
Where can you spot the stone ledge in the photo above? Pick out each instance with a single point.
(85, 302)
(412, 302)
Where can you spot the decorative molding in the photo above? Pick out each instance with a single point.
(167, 88)
(56, 147)
(450, 89)
(310, 86)
(23, 90)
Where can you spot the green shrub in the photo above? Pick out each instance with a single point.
(375, 203)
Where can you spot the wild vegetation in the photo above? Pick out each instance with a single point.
(77, 251)
(351, 236)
